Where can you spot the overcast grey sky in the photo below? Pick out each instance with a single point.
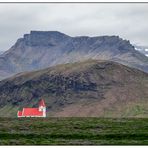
(129, 21)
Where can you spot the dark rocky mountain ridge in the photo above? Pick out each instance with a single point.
(41, 49)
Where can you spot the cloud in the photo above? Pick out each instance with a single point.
(129, 21)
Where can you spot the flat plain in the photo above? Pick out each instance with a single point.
(74, 131)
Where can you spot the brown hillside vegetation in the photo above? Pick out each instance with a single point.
(90, 88)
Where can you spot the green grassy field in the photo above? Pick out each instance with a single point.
(73, 131)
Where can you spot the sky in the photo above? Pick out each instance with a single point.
(129, 21)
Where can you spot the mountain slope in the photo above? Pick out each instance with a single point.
(41, 49)
(142, 49)
(88, 88)
(1, 52)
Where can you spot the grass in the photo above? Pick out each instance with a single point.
(73, 131)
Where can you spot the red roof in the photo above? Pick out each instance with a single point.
(32, 112)
(19, 113)
(42, 103)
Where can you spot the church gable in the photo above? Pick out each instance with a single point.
(34, 112)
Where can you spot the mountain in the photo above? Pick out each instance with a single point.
(142, 49)
(1, 52)
(88, 88)
(41, 49)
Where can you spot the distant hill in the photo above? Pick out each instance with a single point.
(41, 49)
(142, 49)
(88, 88)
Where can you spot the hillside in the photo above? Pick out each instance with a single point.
(42, 49)
(88, 88)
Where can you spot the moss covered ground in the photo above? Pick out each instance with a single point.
(73, 131)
